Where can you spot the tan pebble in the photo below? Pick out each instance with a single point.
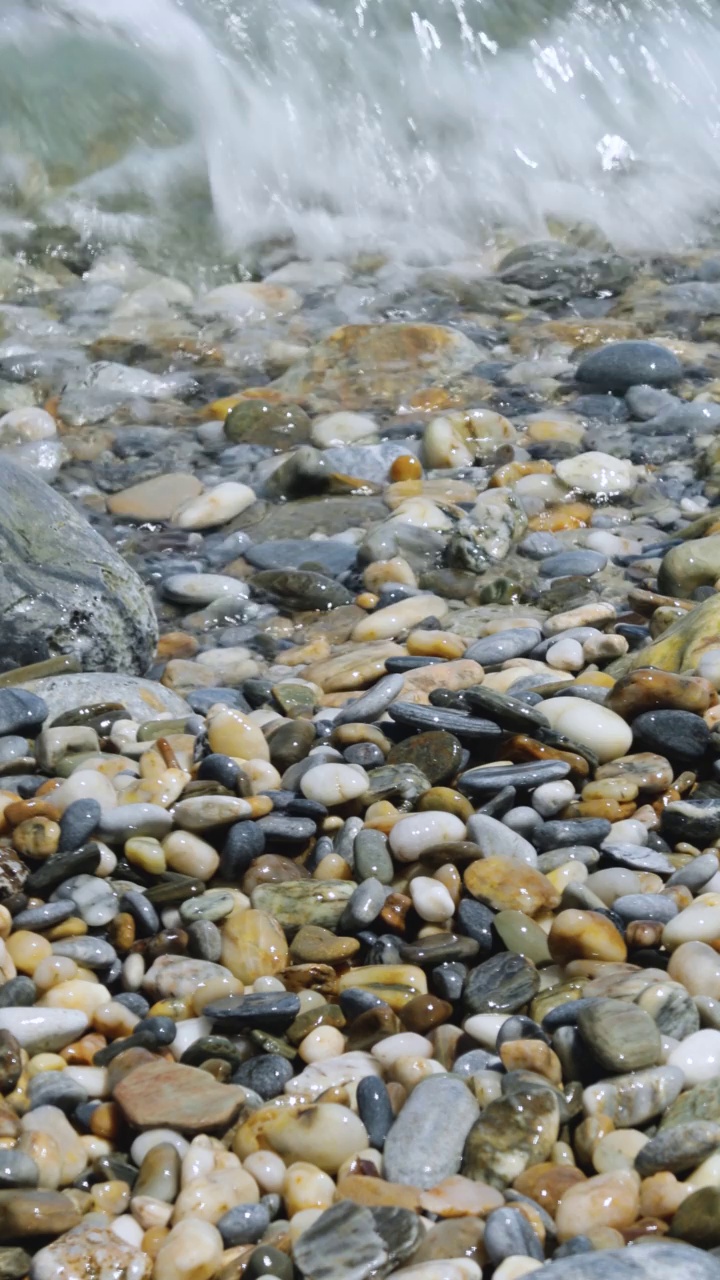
(209, 1197)
(153, 1239)
(618, 1150)
(253, 945)
(110, 1197)
(531, 1055)
(585, 935)
(332, 867)
(45, 1062)
(514, 1266)
(27, 949)
(458, 674)
(306, 1187)
(374, 1192)
(50, 1121)
(605, 1200)
(233, 734)
(44, 1150)
(458, 1197)
(187, 854)
(324, 1134)
(79, 993)
(54, 970)
(150, 1213)
(113, 1020)
(323, 1042)
(547, 1183)
(661, 1195)
(697, 967)
(380, 572)
(505, 884)
(192, 1250)
(436, 644)
(147, 854)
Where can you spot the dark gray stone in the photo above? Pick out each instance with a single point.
(244, 1224)
(621, 365)
(502, 984)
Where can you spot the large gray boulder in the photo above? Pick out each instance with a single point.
(666, 1261)
(63, 589)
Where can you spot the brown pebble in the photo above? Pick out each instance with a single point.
(547, 1183)
(532, 1055)
(446, 800)
(121, 931)
(647, 689)
(422, 1013)
(272, 868)
(312, 942)
(370, 1027)
(23, 810)
(505, 884)
(453, 1238)
(395, 910)
(585, 935)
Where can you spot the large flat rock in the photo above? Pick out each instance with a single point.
(168, 1093)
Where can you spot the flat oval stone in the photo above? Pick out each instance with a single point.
(320, 902)
(511, 1134)
(436, 753)
(466, 728)
(492, 778)
(371, 705)
(620, 365)
(502, 984)
(621, 1036)
(160, 1093)
(490, 651)
(421, 1148)
(680, 734)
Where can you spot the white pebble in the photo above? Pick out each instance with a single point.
(214, 507)
(332, 783)
(597, 473)
(484, 1028)
(333, 429)
(698, 1056)
(21, 425)
(188, 1031)
(431, 899)
(419, 831)
(550, 797)
(627, 831)
(405, 1044)
(593, 726)
(566, 655)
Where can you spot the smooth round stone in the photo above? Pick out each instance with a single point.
(386, 623)
(56, 1089)
(475, 921)
(198, 813)
(570, 832)
(617, 366)
(696, 1220)
(551, 797)
(421, 1148)
(19, 992)
(502, 984)
(331, 784)
(243, 1224)
(266, 1075)
(697, 967)
(366, 904)
(431, 899)
(192, 1251)
(94, 899)
(679, 734)
(143, 912)
(222, 769)
(620, 1036)
(696, 873)
(214, 507)
(412, 835)
(592, 726)
(700, 922)
(698, 1056)
(597, 474)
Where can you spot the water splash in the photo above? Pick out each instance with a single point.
(419, 126)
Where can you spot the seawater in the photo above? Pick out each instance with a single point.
(195, 130)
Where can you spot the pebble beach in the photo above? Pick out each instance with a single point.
(360, 768)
